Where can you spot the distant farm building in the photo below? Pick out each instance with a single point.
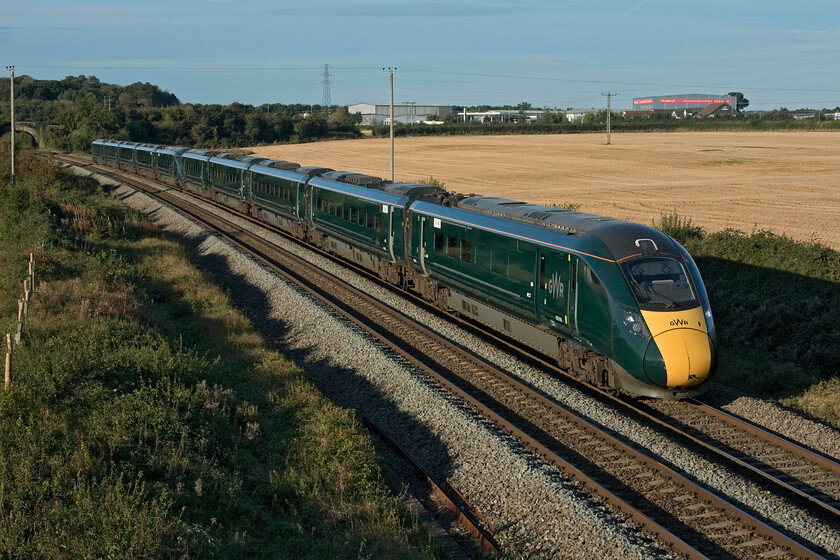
(501, 115)
(407, 113)
(687, 104)
(577, 115)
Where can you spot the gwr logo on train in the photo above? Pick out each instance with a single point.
(555, 286)
(679, 323)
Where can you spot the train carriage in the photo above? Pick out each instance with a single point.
(362, 224)
(195, 165)
(276, 192)
(105, 151)
(144, 159)
(488, 264)
(97, 150)
(125, 155)
(168, 164)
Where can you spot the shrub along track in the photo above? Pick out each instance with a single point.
(651, 493)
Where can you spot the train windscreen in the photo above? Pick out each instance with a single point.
(659, 282)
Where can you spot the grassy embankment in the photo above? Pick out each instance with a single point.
(145, 417)
(775, 302)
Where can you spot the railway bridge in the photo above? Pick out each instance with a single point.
(26, 128)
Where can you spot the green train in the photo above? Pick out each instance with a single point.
(621, 305)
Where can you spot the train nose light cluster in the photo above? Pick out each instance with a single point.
(635, 324)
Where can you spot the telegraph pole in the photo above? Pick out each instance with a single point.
(609, 113)
(390, 72)
(11, 70)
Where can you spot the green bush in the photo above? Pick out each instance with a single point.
(680, 228)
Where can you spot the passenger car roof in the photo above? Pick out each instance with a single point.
(564, 219)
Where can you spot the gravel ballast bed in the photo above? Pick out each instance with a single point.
(535, 506)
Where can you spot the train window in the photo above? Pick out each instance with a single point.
(369, 219)
(352, 213)
(592, 280)
(345, 211)
(451, 246)
(658, 281)
(379, 223)
(438, 242)
(543, 281)
(483, 256)
(466, 250)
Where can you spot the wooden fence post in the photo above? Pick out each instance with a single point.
(8, 377)
(21, 315)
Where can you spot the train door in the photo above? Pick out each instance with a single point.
(390, 225)
(421, 243)
(592, 308)
(245, 185)
(554, 290)
(572, 300)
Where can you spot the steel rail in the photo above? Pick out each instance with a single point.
(456, 504)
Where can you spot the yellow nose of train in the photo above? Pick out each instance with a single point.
(681, 352)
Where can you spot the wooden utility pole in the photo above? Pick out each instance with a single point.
(390, 72)
(609, 113)
(11, 70)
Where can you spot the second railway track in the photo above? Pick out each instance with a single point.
(699, 523)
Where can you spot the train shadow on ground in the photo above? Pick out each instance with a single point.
(778, 332)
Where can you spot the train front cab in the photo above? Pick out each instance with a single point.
(669, 326)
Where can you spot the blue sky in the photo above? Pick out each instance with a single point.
(462, 52)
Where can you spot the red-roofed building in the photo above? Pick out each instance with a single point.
(716, 109)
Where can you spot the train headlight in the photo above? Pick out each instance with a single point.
(635, 324)
(710, 322)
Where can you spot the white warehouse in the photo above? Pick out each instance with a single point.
(379, 113)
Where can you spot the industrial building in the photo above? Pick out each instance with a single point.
(407, 113)
(686, 104)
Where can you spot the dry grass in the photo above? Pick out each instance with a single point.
(785, 182)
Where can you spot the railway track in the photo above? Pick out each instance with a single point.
(787, 466)
(699, 524)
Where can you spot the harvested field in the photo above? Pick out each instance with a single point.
(785, 182)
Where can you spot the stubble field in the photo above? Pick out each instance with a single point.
(785, 182)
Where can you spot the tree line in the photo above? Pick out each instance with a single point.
(86, 108)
